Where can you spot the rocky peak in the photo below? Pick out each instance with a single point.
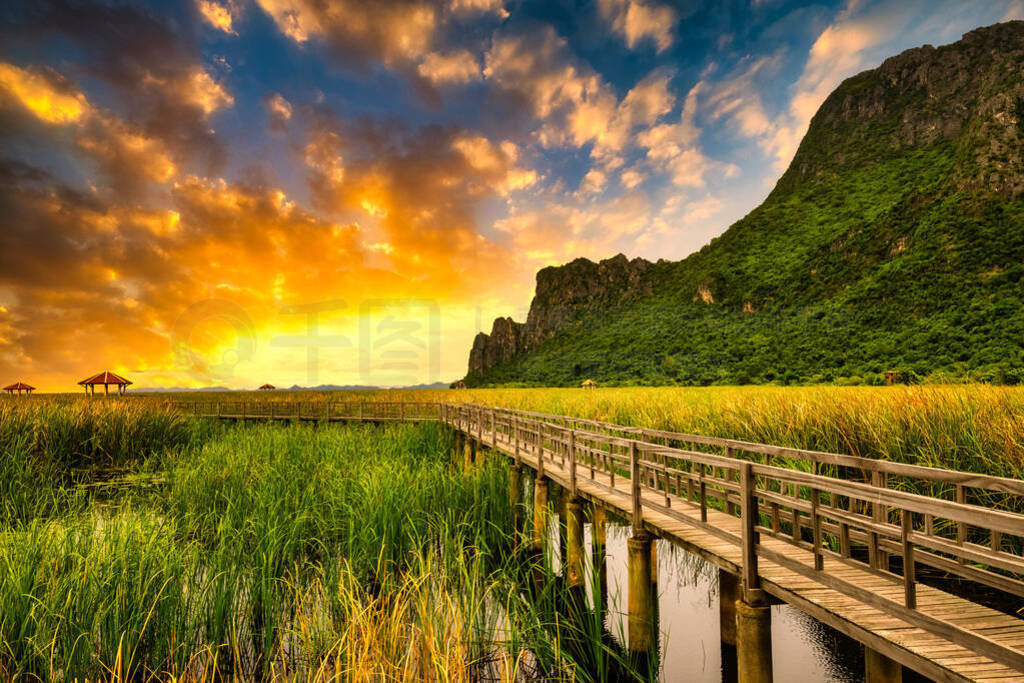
(965, 94)
(563, 294)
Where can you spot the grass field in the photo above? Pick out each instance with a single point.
(136, 542)
(968, 427)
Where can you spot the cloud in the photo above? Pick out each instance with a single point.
(393, 31)
(279, 110)
(420, 192)
(637, 21)
(572, 102)
(128, 157)
(453, 67)
(43, 93)
(479, 6)
(153, 65)
(217, 15)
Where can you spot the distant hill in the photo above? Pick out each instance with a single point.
(894, 241)
(294, 387)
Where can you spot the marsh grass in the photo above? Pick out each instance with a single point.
(257, 552)
(136, 543)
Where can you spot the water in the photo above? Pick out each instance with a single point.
(803, 649)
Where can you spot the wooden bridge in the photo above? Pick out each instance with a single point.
(845, 539)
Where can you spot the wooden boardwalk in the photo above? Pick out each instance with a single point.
(829, 534)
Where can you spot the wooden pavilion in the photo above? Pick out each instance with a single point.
(19, 387)
(106, 378)
(459, 385)
(267, 387)
(588, 384)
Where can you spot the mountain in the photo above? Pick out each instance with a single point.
(894, 241)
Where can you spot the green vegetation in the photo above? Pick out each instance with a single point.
(870, 272)
(136, 544)
(892, 242)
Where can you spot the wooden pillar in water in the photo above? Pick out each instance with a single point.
(654, 564)
(598, 540)
(880, 669)
(515, 496)
(563, 534)
(728, 594)
(641, 594)
(540, 513)
(753, 615)
(574, 535)
(753, 642)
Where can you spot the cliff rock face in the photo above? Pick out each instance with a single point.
(500, 346)
(563, 294)
(967, 94)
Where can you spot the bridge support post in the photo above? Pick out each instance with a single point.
(753, 642)
(563, 529)
(880, 669)
(515, 497)
(641, 595)
(598, 540)
(728, 594)
(574, 534)
(540, 513)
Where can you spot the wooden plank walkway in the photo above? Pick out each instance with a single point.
(902, 642)
(699, 501)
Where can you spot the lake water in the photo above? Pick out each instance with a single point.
(803, 650)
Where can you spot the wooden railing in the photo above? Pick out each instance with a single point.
(400, 411)
(862, 524)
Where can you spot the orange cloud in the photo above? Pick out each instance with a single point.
(637, 21)
(216, 15)
(42, 94)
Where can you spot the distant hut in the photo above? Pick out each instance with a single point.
(459, 385)
(19, 387)
(891, 377)
(106, 378)
(267, 387)
(588, 384)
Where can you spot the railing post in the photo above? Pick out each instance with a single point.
(515, 436)
(572, 464)
(879, 514)
(961, 528)
(909, 584)
(749, 535)
(634, 483)
(819, 559)
(538, 444)
(494, 431)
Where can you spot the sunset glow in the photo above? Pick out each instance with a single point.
(233, 192)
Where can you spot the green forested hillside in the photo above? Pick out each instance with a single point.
(894, 241)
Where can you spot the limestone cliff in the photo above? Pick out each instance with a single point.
(562, 295)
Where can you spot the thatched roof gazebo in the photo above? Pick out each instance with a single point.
(459, 385)
(106, 378)
(267, 387)
(588, 384)
(19, 387)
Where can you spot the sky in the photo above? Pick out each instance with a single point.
(233, 192)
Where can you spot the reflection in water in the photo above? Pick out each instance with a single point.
(803, 649)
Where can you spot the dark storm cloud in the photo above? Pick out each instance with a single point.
(153, 63)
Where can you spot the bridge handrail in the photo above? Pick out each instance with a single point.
(656, 477)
